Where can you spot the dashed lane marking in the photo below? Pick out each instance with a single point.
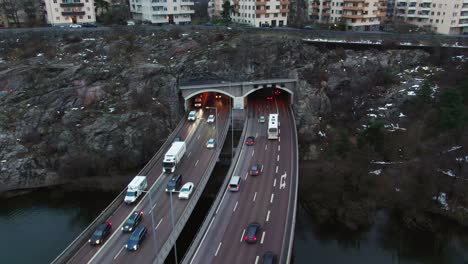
(255, 196)
(242, 236)
(268, 216)
(271, 199)
(216, 253)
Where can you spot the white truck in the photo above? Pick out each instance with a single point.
(135, 188)
(173, 156)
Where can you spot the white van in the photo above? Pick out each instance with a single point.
(192, 116)
(234, 184)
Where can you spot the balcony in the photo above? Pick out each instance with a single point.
(71, 4)
(260, 11)
(185, 11)
(382, 8)
(353, 8)
(187, 3)
(354, 1)
(260, 3)
(353, 16)
(326, 7)
(284, 10)
(73, 13)
(284, 2)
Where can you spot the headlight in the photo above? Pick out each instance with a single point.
(89, 241)
(97, 241)
(126, 246)
(122, 228)
(130, 229)
(135, 247)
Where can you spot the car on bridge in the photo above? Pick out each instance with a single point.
(211, 119)
(251, 233)
(174, 183)
(269, 97)
(250, 141)
(131, 223)
(261, 119)
(269, 258)
(137, 237)
(186, 190)
(255, 170)
(101, 233)
(211, 143)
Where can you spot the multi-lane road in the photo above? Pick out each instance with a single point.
(158, 213)
(263, 199)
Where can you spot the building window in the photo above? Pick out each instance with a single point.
(89, 9)
(175, 8)
(267, 15)
(57, 18)
(275, 15)
(56, 9)
(55, 1)
(89, 17)
(277, 7)
(81, 17)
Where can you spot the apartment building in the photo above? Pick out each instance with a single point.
(260, 13)
(215, 8)
(62, 12)
(358, 15)
(390, 9)
(440, 16)
(163, 11)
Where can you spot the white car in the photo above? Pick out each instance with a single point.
(186, 190)
(75, 26)
(211, 143)
(192, 116)
(261, 119)
(211, 119)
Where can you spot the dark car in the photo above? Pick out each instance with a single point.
(101, 233)
(269, 97)
(269, 258)
(250, 141)
(255, 170)
(89, 25)
(134, 241)
(132, 221)
(174, 183)
(251, 234)
(277, 92)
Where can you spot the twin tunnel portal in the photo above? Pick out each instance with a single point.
(253, 224)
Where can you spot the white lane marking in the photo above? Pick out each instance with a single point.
(152, 208)
(253, 152)
(216, 253)
(159, 178)
(196, 163)
(271, 199)
(221, 202)
(268, 216)
(242, 236)
(261, 169)
(256, 134)
(160, 221)
(203, 239)
(190, 153)
(119, 252)
(245, 178)
(198, 137)
(256, 259)
(276, 168)
(274, 183)
(283, 181)
(255, 196)
(279, 130)
(279, 147)
(279, 139)
(235, 206)
(266, 147)
(277, 158)
(263, 237)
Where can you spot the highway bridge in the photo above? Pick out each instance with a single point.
(269, 198)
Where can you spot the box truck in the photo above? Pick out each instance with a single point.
(135, 188)
(173, 156)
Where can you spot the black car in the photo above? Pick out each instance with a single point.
(174, 183)
(269, 258)
(101, 233)
(132, 221)
(134, 241)
(255, 170)
(250, 141)
(252, 231)
(89, 25)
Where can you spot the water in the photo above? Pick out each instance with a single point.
(36, 227)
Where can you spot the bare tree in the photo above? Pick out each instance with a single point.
(30, 9)
(10, 8)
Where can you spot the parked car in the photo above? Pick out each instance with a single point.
(131, 23)
(101, 233)
(211, 143)
(218, 96)
(89, 25)
(135, 240)
(75, 26)
(251, 234)
(255, 170)
(132, 222)
(186, 190)
(250, 141)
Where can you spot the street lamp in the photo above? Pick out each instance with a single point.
(216, 121)
(172, 220)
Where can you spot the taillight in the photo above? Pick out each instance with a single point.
(238, 187)
(110, 223)
(255, 238)
(142, 212)
(246, 237)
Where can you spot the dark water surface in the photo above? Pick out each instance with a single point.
(36, 227)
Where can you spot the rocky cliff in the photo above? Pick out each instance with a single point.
(79, 105)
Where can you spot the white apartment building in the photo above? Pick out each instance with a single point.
(441, 16)
(163, 11)
(215, 8)
(60, 12)
(359, 15)
(260, 13)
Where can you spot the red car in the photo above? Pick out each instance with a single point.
(250, 141)
(269, 97)
(277, 92)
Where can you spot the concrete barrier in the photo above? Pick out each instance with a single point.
(71, 250)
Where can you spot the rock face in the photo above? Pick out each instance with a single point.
(74, 107)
